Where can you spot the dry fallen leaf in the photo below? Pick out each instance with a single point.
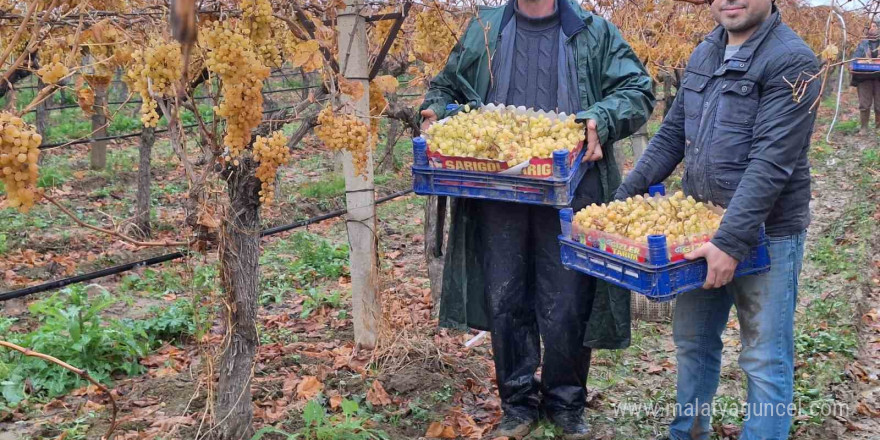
(438, 430)
(309, 388)
(377, 396)
(166, 423)
(335, 402)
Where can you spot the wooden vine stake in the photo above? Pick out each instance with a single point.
(359, 198)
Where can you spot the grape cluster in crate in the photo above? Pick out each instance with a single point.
(508, 134)
(622, 227)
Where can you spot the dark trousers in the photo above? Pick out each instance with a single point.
(534, 299)
(869, 95)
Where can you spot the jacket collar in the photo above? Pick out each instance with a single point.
(743, 57)
(572, 17)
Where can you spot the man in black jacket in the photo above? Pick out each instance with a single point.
(743, 135)
(868, 83)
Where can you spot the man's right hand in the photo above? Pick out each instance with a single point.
(428, 118)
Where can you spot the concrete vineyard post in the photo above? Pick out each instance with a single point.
(359, 189)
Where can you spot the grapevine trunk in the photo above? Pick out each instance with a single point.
(142, 206)
(239, 260)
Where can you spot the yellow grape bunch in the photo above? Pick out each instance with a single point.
(677, 216)
(230, 54)
(260, 24)
(344, 132)
(434, 38)
(19, 152)
(504, 135)
(54, 71)
(380, 30)
(153, 74)
(271, 153)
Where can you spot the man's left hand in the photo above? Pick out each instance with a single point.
(721, 265)
(594, 150)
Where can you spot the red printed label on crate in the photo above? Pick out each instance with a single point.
(633, 250)
(467, 164)
(539, 168)
(621, 248)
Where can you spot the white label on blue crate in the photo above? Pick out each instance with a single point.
(631, 273)
(615, 267)
(595, 261)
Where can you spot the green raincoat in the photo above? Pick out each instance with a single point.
(615, 90)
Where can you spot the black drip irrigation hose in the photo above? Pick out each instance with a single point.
(57, 284)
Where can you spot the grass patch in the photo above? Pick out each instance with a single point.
(67, 124)
(124, 124)
(850, 127)
(820, 151)
(296, 264)
(333, 186)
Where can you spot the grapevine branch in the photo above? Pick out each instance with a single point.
(34, 39)
(389, 40)
(109, 232)
(79, 372)
(32, 7)
(309, 27)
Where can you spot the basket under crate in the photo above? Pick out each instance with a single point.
(657, 279)
(556, 190)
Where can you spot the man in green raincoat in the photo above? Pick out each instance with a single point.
(503, 271)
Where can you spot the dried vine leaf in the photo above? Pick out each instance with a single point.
(385, 83)
(307, 55)
(354, 89)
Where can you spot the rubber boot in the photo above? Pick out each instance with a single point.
(865, 119)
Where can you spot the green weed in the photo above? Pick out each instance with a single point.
(317, 258)
(170, 324)
(155, 283)
(72, 329)
(321, 426)
(315, 299)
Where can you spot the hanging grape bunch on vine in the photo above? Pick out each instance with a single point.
(344, 132)
(153, 74)
(19, 152)
(231, 55)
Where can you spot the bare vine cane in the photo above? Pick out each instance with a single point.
(79, 372)
(118, 235)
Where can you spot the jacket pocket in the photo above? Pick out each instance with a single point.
(693, 84)
(738, 104)
(725, 184)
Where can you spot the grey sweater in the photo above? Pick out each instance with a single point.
(534, 79)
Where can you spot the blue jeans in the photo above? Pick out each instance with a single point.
(765, 306)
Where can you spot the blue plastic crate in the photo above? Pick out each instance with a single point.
(657, 279)
(557, 190)
(865, 67)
